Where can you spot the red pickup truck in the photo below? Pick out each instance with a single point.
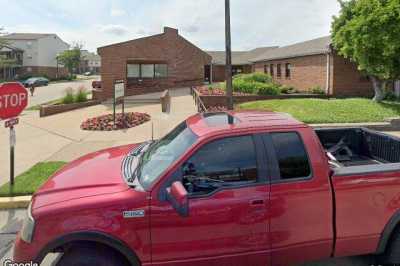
(230, 188)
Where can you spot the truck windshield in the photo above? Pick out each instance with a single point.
(159, 156)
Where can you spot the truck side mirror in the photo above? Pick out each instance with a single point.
(178, 197)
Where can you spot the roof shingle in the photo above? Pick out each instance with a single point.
(311, 47)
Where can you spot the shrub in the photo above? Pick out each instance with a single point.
(254, 77)
(81, 95)
(68, 97)
(241, 85)
(317, 90)
(288, 89)
(268, 89)
(390, 95)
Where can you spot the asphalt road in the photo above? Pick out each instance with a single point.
(56, 90)
(11, 222)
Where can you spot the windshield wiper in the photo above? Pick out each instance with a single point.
(141, 153)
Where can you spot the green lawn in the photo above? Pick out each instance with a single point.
(350, 110)
(27, 183)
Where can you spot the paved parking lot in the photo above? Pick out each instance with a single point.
(56, 90)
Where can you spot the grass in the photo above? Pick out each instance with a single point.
(351, 110)
(28, 182)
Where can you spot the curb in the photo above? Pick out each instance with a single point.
(14, 202)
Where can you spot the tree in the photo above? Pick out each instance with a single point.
(4, 61)
(71, 58)
(368, 33)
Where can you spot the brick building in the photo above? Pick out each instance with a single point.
(152, 64)
(314, 63)
(241, 62)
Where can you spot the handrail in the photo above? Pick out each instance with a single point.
(201, 108)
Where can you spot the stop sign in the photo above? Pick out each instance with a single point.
(13, 99)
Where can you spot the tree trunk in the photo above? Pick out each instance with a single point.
(379, 88)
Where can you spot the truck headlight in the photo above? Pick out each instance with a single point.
(28, 226)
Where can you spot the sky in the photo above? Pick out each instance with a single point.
(95, 23)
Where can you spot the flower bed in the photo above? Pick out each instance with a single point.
(106, 122)
(204, 90)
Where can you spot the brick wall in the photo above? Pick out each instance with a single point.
(306, 71)
(310, 71)
(185, 63)
(347, 80)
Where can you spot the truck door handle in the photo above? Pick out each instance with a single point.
(257, 202)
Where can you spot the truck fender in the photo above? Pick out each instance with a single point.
(387, 232)
(90, 236)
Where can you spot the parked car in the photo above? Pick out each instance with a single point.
(88, 73)
(96, 84)
(36, 82)
(230, 188)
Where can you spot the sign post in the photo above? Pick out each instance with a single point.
(13, 100)
(119, 93)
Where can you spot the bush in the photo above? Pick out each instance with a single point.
(317, 90)
(81, 95)
(288, 89)
(269, 89)
(69, 96)
(390, 95)
(254, 77)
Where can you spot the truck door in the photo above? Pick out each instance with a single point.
(227, 222)
(301, 213)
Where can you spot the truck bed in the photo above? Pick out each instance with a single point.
(349, 147)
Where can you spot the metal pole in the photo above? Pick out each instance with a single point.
(114, 103)
(12, 144)
(228, 68)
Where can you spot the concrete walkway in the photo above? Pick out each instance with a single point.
(59, 137)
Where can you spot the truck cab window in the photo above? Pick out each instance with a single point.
(291, 155)
(222, 163)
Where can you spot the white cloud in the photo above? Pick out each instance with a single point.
(118, 30)
(117, 12)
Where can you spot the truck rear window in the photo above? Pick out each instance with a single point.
(291, 154)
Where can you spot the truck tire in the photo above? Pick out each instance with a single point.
(392, 253)
(89, 256)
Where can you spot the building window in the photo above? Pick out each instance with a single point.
(271, 70)
(160, 70)
(133, 70)
(147, 70)
(279, 70)
(287, 70)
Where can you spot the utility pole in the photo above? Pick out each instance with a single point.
(228, 67)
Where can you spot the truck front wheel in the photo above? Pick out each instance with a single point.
(89, 256)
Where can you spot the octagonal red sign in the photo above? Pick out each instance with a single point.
(13, 99)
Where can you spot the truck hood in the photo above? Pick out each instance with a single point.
(91, 175)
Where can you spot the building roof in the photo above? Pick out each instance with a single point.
(311, 47)
(238, 57)
(216, 123)
(26, 36)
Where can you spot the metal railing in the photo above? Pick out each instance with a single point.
(201, 108)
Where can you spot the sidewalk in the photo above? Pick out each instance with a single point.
(59, 137)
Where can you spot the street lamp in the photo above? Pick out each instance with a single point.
(228, 67)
